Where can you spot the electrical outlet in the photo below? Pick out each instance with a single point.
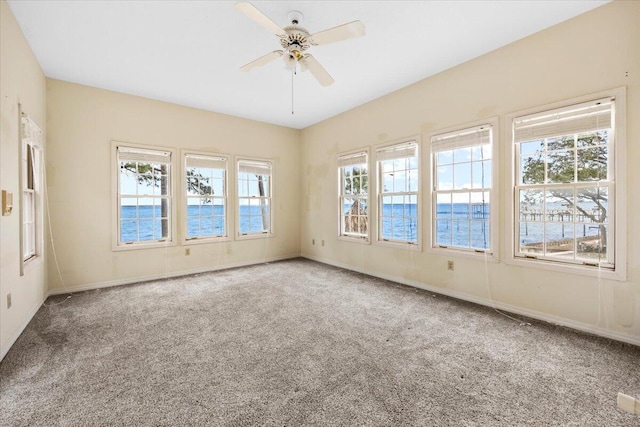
(313, 241)
(323, 243)
(450, 265)
(187, 251)
(8, 301)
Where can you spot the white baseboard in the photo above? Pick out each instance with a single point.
(130, 280)
(545, 317)
(16, 334)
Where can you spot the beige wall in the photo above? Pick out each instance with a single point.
(597, 51)
(82, 123)
(21, 81)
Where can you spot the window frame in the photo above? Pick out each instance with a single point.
(31, 142)
(342, 195)
(116, 197)
(238, 235)
(493, 253)
(380, 193)
(619, 211)
(185, 239)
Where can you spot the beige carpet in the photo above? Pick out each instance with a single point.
(300, 343)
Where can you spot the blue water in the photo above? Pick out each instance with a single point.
(144, 223)
(457, 224)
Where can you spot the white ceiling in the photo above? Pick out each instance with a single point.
(190, 52)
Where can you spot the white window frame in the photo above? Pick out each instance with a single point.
(31, 194)
(259, 163)
(345, 160)
(492, 253)
(115, 189)
(205, 157)
(618, 207)
(400, 149)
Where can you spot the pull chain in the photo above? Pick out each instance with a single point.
(292, 74)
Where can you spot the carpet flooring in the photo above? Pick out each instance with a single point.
(301, 343)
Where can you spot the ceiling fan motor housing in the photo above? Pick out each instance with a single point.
(297, 39)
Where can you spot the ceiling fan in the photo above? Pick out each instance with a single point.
(295, 40)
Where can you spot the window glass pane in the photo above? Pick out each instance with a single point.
(592, 204)
(193, 227)
(531, 205)
(481, 174)
(443, 232)
(445, 157)
(443, 205)
(128, 211)
(531, 237)
(532, 162)
(399, 181)
(592, 164)
(592, 139)
(480, 235)
(145, 207)
(387, 182)
(460, 233)
(145, 231)
(480, 204)
(559, 240)
(128, 230)
(462, 176)
(461, 206)
(128, 181)
(217, 187)
(559, 204)
(461, 155)
(412, 178)
(591, 242)
(561, 166)
(444, 179)
(481, 152)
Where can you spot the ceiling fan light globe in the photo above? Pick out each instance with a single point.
(289, 62)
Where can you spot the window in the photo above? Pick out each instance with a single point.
(205, 177)
(398, 184)
(353, 176)
(565, 187)
(28, 203)
(31, 182)
(254, 198)
(462, 199)
(144, 196)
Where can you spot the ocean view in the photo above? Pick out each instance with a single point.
(458, 224)
(141, 223)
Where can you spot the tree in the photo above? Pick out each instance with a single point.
(155, 175)
(356, 184)
(591, 160)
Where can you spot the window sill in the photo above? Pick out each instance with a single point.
(462, 253)
(414, 247)
(205, 240)
(354, 239)
(253, 236)
(581, 270)
(136, 246)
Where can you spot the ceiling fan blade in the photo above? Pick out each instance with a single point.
(252, 12)
(310, 63)
(262, 60)
(341, 32)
